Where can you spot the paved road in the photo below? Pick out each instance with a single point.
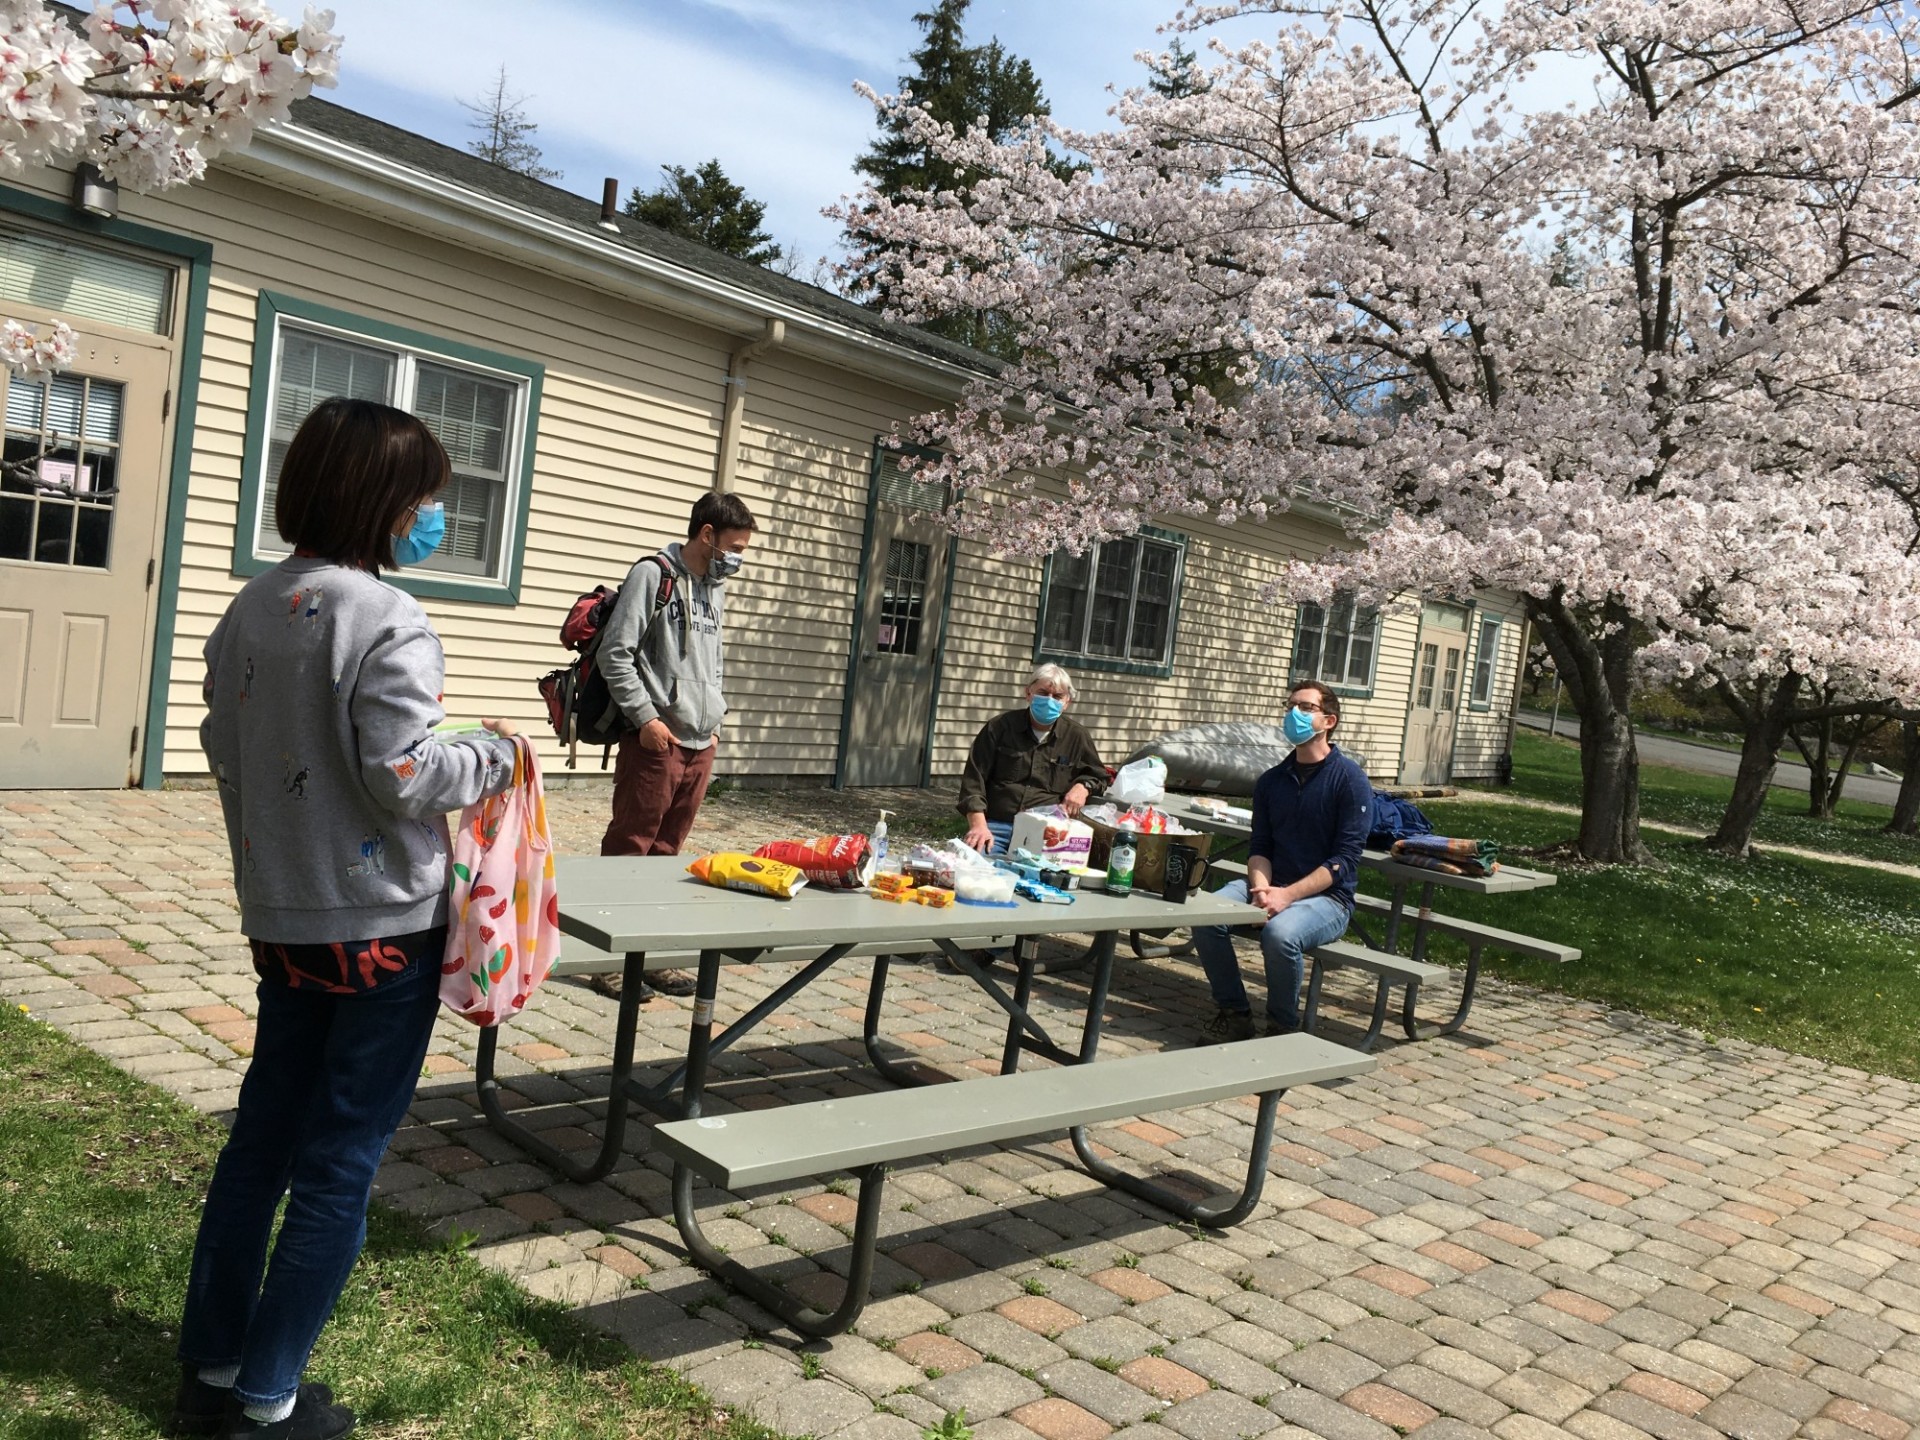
(1707, 760)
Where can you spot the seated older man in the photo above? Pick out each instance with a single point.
(1028, 758)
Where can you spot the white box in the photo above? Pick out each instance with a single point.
(1052, 836)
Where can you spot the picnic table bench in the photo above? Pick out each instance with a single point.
(650, 914)
(866, 1133)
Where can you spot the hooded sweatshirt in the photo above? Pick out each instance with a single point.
(675, 676)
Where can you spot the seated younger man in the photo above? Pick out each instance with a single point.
(1310, 819)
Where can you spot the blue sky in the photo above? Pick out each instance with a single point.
(621, 87)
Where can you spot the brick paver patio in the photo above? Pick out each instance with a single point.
(1567, 1222)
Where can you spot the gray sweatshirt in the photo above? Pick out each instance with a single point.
(676, 676)
(323, 685)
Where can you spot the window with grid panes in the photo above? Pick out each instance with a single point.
(1485, 654)
(1114, 604)
(1336, 643)
(478, 415)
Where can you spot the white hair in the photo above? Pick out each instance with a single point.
(1052, 676)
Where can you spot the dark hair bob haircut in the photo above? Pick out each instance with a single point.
(353, 470)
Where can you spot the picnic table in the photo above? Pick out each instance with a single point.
(649, 912)
(1383, 960)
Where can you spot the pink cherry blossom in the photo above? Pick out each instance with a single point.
(1645, 354)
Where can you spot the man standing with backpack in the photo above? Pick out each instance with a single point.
(660, 655)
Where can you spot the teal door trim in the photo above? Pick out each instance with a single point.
(198, 255)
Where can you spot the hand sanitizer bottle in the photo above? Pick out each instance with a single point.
(878, 841)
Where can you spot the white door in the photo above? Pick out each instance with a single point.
(1439, 656)
(898, 645)
(79, 516)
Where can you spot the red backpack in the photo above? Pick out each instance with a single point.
(579, 705)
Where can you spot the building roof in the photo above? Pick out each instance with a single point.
(363, 132)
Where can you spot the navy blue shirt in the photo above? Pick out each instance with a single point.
(1303, 819)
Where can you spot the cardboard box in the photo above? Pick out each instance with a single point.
(1150, 854)
(1052, 837)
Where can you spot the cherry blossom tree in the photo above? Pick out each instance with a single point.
(1590, 300)
(149, 92)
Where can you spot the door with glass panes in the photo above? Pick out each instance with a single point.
(900, 630)
(80, 499)
(1438, 660)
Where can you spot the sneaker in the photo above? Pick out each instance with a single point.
(200, 1408)
(672, 982)
(1226, 1027)
(611, 983)
(310, 1420)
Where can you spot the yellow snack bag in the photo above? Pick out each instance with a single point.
(731, 870)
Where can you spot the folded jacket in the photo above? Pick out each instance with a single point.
(1478, 869)
(1442, 848)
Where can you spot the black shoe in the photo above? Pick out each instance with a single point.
(1226, 1027)
(310, 1420)
(200, 1408)
(672, 982)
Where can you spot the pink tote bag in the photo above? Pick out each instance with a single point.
(503, 918)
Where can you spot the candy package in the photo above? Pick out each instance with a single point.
(834, 862)
(925, 865)
(731, 870)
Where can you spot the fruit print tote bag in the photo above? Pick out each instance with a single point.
(503, 917)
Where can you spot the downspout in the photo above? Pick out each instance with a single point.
(734, 414)
(1519, 679)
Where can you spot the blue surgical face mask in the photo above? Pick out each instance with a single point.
(1045, 708)
(1298, 726)
(423, 536)
(724, 564)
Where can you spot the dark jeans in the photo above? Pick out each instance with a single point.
(655, 797)
(330, 1081)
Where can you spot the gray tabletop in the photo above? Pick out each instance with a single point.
(622, 903)
(1504, 881)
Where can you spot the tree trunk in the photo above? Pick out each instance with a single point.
(1598, 679)
(1906, 805)
(1818, 756)
(1766, 731)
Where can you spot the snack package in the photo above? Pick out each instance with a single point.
(933, 896)
(925, 865)
(1053, 835)
(890, 883)
(834, 862)
(731, 870)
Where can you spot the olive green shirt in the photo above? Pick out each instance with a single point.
(1009, 770)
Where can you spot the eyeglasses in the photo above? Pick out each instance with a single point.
(1308, 706)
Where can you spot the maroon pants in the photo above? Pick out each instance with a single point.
(655, 797)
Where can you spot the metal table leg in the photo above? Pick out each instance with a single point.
(801, 1317)
(1418, 1031)
(1215, 1214)
(615, 1130)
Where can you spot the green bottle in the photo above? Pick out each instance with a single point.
(1120, 863)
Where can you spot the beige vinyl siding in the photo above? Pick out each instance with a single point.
(626, 440)
(1481, 737)
(1232, 650)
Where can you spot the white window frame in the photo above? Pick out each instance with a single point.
(1304, 623)
(1486, 655)
(267, 545)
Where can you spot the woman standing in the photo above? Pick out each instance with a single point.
(323, 689)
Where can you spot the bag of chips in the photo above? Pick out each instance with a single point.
(836, 862)
(731, 870)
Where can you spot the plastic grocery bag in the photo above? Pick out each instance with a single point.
(1144, 782)
(503, 917)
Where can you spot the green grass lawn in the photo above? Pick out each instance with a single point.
(1819, 959)
(1546, 769)
(100, 1184)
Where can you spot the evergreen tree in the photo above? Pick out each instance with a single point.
(704, 205)
(958, 83)
(504, 134)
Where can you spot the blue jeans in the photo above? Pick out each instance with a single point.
(1002, 836)
(1284, 940)
(330, 1081)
